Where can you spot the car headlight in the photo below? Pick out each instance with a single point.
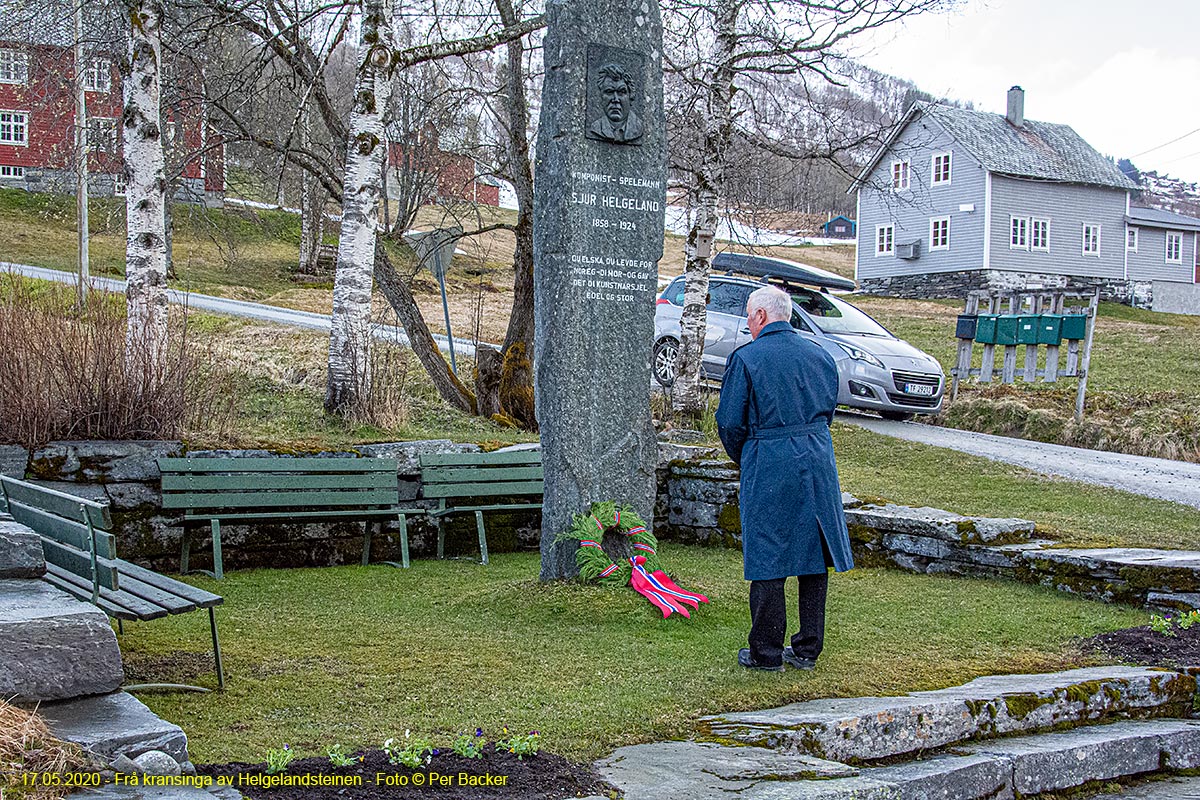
(858, 354)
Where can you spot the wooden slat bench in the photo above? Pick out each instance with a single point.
(458, 481)
(81, 559)
(281, 489)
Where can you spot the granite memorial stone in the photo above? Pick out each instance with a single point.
(600, 196)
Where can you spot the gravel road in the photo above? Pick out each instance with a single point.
(1177, 481)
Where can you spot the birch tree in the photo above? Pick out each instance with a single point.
(366, 149)
(145, 197)
(713, 46)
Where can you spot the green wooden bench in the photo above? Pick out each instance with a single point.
(280, 489)
(458, 481)
(81, 559)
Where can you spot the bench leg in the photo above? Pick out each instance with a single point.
(120, 628)
(404, 541)
(441, 525)
(184, 552)
(218, 565)
(483, 555)
(212, 621)
(366, 559)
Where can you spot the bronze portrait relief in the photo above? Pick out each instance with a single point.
(614, 94)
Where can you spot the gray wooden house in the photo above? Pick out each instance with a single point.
(958, 200)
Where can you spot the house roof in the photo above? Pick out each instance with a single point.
(835, 219)
(1157, 218)
(51, 23)
(1039, 150)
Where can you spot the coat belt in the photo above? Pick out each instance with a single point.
(784, 431)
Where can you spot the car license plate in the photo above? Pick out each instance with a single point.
(919, 388)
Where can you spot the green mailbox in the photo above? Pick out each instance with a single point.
(1006, 329)
(1027, 329)
(1074, 326)
(985, 329)
(1050, 329)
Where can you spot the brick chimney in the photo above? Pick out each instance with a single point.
(1016, 107)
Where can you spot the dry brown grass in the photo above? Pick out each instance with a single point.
(27, 747)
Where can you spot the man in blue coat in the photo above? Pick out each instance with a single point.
(777, 402)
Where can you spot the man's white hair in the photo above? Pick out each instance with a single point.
(775, 302)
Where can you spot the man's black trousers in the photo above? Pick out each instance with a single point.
(768, 619)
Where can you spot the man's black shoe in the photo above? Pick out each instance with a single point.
(790, 657)
(745, 660)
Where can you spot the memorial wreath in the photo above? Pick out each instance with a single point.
(641, 568)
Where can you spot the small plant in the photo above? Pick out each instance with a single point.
(1162, 625)
(278, 760)
(470, 745)
(340, 758)
(1188, 620)
(520, 745)
(411, 753)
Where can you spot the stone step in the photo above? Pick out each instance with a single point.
(113, 725)
(937, 524)
(20, 550)
(52, 646)
(1173, 788)
(864, 729)
(997, 770)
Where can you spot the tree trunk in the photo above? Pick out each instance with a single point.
(516, 378)
(312, 212)
(399, 296)
(709, 185)
(366, 147)
(145, 196)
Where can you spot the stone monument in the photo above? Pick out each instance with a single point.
(599, 201)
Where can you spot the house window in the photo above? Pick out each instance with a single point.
(1131, 237)
(14, 66)
(1091, 239)
(102, 134)
(885, 240)
(939, 233)
(1018, 238)
(97, 75)
(941, 168)
(1174, 248)
(8, 171)
(1039, 234)
(119, 191)
(900, 170)
(14, 127)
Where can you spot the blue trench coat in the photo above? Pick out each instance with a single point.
(777, 401)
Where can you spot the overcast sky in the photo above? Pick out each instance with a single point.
(1125, 75)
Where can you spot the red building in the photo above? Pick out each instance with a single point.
(436, 174)
(37, 112)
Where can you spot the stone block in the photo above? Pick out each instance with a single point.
(13, 460)
(115, 724)
(705, 771)
(1173, 788)
(53, 646)
(948, 776)
(938, 524)
(917, 545)
(20, 551)
(1144, 568)
(670, 451)
(131, 496)
(871, 728)
(101, 461)
(407, 453)
(156, 762)
(1173, 601)
(1058, 761)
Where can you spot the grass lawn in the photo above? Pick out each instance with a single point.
(354, 655)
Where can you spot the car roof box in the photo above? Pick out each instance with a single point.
(782, 269)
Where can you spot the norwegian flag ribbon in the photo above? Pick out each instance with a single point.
(665, 600)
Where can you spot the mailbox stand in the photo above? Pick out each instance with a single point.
(1029, 319)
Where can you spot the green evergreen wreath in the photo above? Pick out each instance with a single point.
(588, 530)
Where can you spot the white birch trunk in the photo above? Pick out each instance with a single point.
(709, 185)
(366, 149)
(145, 196)
(312, 211)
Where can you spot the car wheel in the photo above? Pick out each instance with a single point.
(898, 416)
(666, 351)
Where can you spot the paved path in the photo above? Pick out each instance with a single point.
(1177, 481)
(239, 308)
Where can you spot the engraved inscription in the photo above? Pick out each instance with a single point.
(616, 205)
(615, 92)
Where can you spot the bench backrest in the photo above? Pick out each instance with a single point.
(280, 483)
(448, 475)
(76, 532)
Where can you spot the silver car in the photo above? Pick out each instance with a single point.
(876, 371)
